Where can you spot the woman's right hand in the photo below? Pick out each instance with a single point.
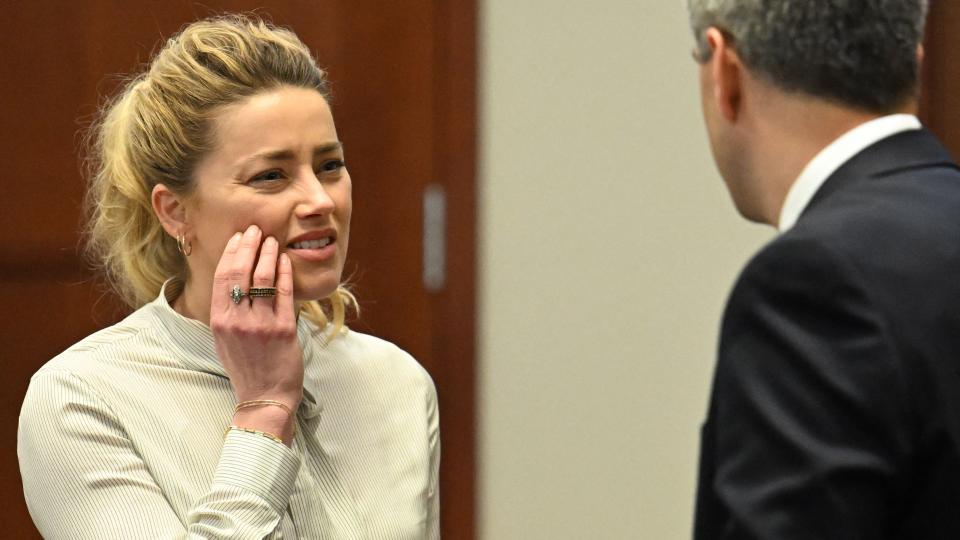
(256, 339)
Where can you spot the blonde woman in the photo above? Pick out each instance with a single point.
(233, 403)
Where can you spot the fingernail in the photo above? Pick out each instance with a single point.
(235, 238)
(252, 230)
(271, 241)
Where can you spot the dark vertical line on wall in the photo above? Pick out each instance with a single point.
(454, 318)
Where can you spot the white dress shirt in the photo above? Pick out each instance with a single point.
(122, 436)
(831, 158)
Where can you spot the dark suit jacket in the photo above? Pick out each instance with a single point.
(835, 411)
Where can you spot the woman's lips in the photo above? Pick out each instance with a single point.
(313, 250)
(312, 244)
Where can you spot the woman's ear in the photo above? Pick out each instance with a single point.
(170, 210)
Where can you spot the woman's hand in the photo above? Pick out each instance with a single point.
(256, 339)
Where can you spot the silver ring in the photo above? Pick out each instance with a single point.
(262, 292)
(236, 294)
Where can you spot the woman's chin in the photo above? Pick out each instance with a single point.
(313, 291)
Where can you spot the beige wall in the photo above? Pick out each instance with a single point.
(608, 246)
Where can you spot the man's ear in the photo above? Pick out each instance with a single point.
(727, 71)
(170, 209)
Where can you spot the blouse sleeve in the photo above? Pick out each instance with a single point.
(83, 477)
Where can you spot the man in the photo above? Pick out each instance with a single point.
(835, 409)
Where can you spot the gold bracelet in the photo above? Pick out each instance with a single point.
(262, 402)
(270, 436)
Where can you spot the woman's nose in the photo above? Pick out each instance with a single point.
(315, 200)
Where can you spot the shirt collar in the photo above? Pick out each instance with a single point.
(828, 160)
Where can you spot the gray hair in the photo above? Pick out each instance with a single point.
(861, 53)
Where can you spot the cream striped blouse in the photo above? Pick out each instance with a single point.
(122, 436)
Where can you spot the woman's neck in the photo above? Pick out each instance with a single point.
(194, 302)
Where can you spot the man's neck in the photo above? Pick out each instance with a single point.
(790, 131)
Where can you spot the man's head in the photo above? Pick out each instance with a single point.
(859, 53)
(781, 79)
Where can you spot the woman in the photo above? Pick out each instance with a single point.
(233, 403)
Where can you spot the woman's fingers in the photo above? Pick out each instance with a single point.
(241, 267)
(264, 275)
(234, 268)
(221, 277)
(242, 264)
(285, 289)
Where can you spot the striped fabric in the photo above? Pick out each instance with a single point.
(122, 436)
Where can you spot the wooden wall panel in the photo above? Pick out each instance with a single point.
(455, 163)
(940, 90)
(41, 185)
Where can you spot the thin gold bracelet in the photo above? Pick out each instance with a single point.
(263, 402)
(270, 436)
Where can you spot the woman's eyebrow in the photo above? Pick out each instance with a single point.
(328, 147)
(280, 155)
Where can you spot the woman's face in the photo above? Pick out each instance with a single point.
(278, 164)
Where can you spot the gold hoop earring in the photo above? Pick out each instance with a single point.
(184, 246)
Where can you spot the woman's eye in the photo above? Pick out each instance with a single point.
(268, 176)
(332, 165)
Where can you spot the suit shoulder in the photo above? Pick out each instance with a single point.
(900, 228)
(915, 205)
(792, 255)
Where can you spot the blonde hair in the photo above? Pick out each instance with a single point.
(158, 127)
